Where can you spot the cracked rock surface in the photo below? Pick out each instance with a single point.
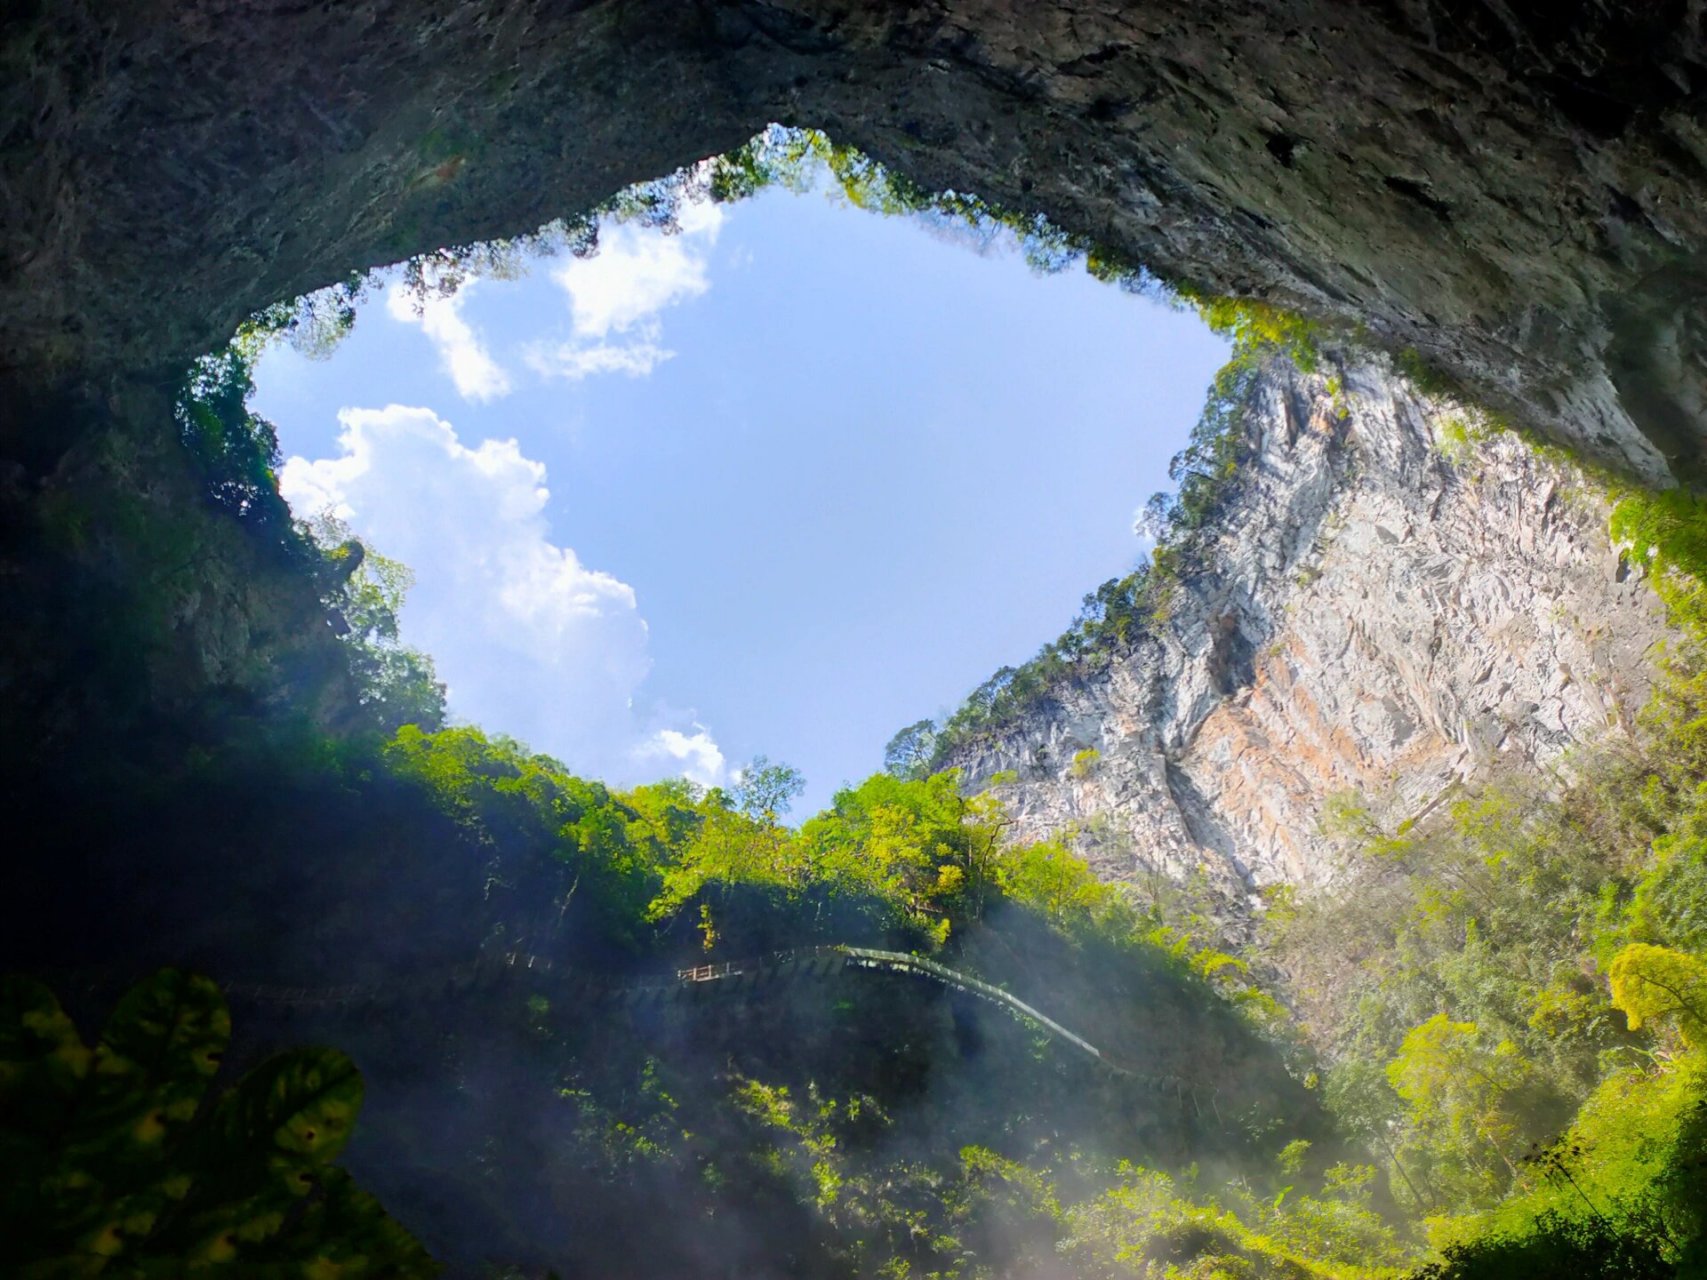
(1396, 603)
(1510, 189)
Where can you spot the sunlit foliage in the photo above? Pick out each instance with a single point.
(235, 451)
(1501, 999)
(1656, 984)
(1511, 989)
(670, 872)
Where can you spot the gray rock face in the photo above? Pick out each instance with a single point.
(1513, 189)
(1393, 604)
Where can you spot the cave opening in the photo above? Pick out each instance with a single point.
(573, 1063)
(811, 472)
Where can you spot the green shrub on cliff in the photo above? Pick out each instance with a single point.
(235, 451)
(363, 592)
(1509, 992)
(1183, 524)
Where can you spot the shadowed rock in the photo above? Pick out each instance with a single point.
(1512, 189)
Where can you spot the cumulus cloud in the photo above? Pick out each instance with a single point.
(617, 295)
(471, 367)
(693, 755)
(529, 640)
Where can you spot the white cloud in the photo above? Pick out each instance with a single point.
(574, 362)
(698, 758)
(620, 291)
(529, 640)
(471, 367)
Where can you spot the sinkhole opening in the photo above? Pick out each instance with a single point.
(769, 457)
(729, 469)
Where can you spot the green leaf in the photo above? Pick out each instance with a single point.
(102, 1185)
(96, 1178)
(42, 1064)
(298, 1108)
(268, 1143)
(347, 1235)
(42, 1058)
(157, 1054)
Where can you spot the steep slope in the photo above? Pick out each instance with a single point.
(1395, 600)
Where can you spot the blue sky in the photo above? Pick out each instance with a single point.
(779, 483)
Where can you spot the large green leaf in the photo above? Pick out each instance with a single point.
(270, 1141)
(358, 1238)
(157, 1054)
(269, 1137)
(342, 1233)
(102, 1185)
(42, 1060)
(172, 1026)
(298, 1107)
(124, 1180)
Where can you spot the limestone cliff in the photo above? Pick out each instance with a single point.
(1395, 600)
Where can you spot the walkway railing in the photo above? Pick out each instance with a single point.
(734, 976)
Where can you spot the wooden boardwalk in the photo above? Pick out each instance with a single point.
(734, 978)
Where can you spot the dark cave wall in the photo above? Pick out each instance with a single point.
(132, 602)
(1509, 188)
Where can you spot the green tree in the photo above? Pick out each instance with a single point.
(235, 451)
(918, 844)
(765, 791)
(1656, 983)
(1553, 1247)
(910, 752)
(1461, 1093)
(364, 593)
(1054, 882)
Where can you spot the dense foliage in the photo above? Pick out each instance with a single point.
(1509, 992)
(1501, 1004)
(363, 593)
(854, 1124)
(1505, 998)
(235, 453)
